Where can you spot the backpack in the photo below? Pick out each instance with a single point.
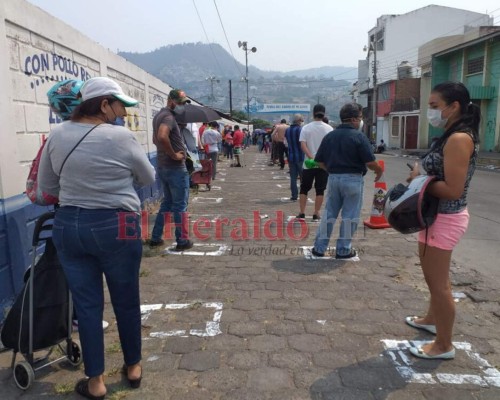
(34, 193)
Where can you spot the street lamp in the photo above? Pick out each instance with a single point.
(212, 79)
(244, 46)
(373, 48)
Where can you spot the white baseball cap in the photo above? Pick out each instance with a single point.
(102, 86)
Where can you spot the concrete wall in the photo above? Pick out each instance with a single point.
(38, 50)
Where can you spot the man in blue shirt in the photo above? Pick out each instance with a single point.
(295, 153)
(346, 154)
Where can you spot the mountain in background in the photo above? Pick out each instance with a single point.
(188, 66)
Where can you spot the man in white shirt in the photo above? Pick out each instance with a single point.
(311, 136)
(211, 137)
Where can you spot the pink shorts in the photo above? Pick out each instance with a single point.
(446, 230)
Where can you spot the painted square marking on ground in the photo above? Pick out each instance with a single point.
(211, 217)
(212, 327)
(398, 351)
(205, 200)
(218, 250)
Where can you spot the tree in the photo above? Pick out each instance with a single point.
(260, 123)
(241, 115)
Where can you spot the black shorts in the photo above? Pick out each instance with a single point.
(317, 175)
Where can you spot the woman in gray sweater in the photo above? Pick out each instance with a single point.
(92, 165)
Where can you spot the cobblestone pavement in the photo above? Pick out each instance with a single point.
(257, 320)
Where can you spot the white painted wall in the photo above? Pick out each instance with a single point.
(29, 35)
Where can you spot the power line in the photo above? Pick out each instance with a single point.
(208, 40)
(227, 40)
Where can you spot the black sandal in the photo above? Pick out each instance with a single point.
(82, 388)
(134, 383)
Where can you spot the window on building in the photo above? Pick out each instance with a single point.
(475, 65)
(378, 38)
(395, 126)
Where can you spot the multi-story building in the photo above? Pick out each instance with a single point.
(474, 59)
(392, 54)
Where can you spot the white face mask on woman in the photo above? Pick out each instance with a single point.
(435, 118)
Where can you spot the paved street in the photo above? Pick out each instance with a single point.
(244, 314)
(480, 247)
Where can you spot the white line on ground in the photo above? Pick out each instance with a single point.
(397, 351)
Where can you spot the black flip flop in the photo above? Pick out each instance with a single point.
(82, 388)
(134, 383)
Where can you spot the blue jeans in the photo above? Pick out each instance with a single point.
(90, 243)
(345, 195)
(295, 171)
(175, 182)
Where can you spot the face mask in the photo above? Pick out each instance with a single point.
(361, 124)
(435, 118)
(120, 121)
(179, 109)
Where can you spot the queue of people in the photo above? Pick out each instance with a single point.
(335, 161)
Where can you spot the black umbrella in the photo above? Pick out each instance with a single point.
(194, 113)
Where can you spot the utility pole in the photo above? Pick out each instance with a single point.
(212, 79)
(375, 90)
(244, 47)
(230, 99)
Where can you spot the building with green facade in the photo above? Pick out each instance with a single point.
(476, 63)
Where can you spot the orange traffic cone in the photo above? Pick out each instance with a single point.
(377, 219)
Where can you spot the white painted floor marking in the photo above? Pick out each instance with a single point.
(309, 256)
(403, 362)
(212, 327)
(308, 218)
(219, 250)
(205, 200)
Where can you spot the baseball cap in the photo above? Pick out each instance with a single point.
(102, 86)
(319, 109)
(179, 96)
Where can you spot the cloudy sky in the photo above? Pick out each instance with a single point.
(288, 34)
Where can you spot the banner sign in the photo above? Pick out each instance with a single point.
(259, 108)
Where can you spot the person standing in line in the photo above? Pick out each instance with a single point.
(452, 159)
(278, 137)
(267, 145)
(228, 140)
(346, 154)
(211, 137)
(63, 98)
(311, 136)
(295, 154)
(172, 171)
(97, 229)
(238, 138)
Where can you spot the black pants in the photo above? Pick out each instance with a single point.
(282, 152)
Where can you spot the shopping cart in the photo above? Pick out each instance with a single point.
(41, 318)
(203, 177)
